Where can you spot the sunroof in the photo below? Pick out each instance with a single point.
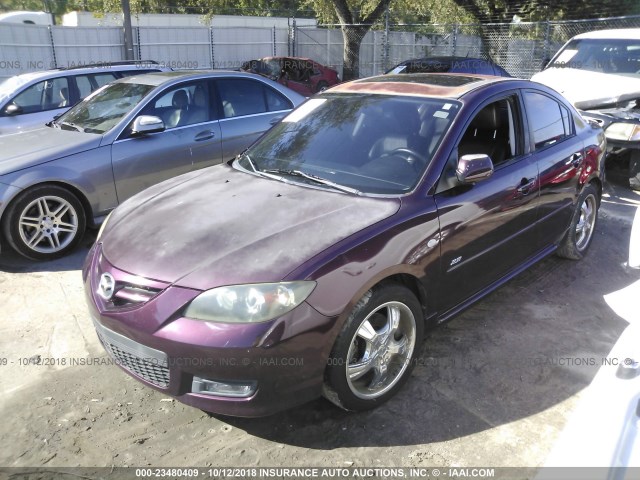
(439, 79)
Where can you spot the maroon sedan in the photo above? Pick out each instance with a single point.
(312, 263)
(302, 75)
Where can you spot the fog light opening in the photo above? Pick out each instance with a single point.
(223, 389)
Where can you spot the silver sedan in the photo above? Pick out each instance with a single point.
(57, 180)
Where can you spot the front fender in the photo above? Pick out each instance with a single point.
(94, 183)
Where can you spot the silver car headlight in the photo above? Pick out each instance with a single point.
(250, 303)
(627, 132)
(104, 224)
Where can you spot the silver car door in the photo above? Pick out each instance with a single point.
(191, 140)
(36, 105)
(248, 109)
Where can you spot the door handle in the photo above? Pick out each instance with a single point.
(206, 135)
(576, 159)
(526, 184)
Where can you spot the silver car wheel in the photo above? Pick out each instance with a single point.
(380, 350)
(48, 224)
(584, 227)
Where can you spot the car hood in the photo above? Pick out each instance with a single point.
(33, 147)
(586, 89)
(220, 226)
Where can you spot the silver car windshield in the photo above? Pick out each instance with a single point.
(613, 56)
(369, 144)
(104, 108)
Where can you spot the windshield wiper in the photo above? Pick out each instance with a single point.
(70, 126)
(316, 179)
(259, 172)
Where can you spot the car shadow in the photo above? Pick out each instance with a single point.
(12, 262)
(527, 347)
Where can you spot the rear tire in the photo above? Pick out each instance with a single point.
(44, 222)
(578, 238)
(376, 350)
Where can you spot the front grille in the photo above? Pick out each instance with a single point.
(147, 363)
(127, 294)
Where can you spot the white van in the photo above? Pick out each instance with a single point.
(28, 18)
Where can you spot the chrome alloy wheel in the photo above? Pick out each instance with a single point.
(48, 224)
(380, 350)
(584, 227)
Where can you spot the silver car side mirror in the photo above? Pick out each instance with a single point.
(12, 109)
(147, 124)
(474, 168)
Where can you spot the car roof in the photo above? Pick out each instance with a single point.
(305, 59)
(446, 85)
(160, 78)
(79, 70)
(619, 33)
(447, 58)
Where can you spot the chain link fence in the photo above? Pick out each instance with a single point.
(521, 48)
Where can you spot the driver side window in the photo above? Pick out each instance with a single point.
(493, 132)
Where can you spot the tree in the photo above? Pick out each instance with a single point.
(356, 18)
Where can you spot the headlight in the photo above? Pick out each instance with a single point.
(251, 303)
(104, 224)
(627, 132)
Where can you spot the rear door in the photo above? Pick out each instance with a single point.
(561, 158)
(191, 140)
(487, 229)
(248, 109)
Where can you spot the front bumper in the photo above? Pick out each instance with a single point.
(284, 359)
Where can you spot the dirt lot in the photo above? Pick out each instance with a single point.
(494, 388)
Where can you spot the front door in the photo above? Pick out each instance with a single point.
(192, 140)
(488, 228)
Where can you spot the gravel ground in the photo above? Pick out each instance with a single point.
(494, 386)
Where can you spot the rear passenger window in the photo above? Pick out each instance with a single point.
(241, 97)
(549, 121)
(248, 97)
(89, 83)
(276, 101)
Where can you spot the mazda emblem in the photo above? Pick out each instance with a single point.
(107, 286)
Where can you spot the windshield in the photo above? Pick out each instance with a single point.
(102, 110)
(375, 144)
(620, 57)
(9, 86)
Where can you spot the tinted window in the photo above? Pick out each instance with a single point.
(276, 101)
(545, 119)
(46, 95)
(241, 97)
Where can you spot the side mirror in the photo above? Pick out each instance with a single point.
(147, 124)
(474, 168)
(12, 109)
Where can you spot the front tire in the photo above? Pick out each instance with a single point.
(321, 86)
(376, 350)
(583, 223)
(44, 222)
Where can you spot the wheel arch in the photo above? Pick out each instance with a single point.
(77, 192)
